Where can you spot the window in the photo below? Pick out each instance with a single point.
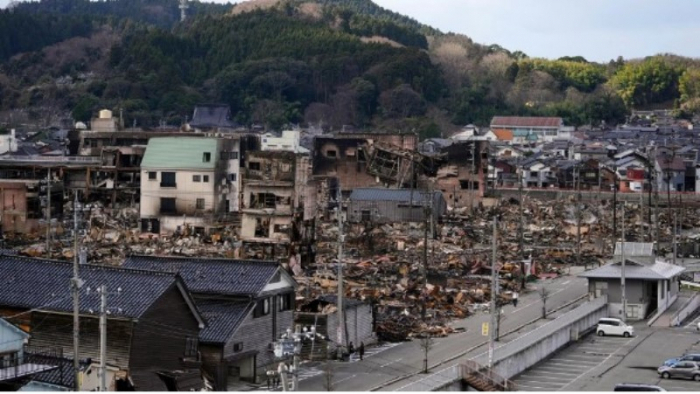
(205, 178)
(206, 157)
(167, 179)
(285, 302)
(366, 216)
(232, 177)
(191, 347)
(200, 203)
(262, 308)
(152, 175)
(233, 155)
(237, 347)
(196, 178)
(254, 165)
(167, 206)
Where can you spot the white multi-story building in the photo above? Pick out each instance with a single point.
(189, 181)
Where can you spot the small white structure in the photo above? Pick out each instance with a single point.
(288, 141)
(8, 142)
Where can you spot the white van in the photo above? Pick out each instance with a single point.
(611, 326)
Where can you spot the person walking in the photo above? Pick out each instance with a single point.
(351, 348)
(515, 299)
(362, 350)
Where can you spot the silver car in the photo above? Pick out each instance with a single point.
(681, 369)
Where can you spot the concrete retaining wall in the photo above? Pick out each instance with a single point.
(522, 353)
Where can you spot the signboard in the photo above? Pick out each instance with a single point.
(485, 329)
(287, 347)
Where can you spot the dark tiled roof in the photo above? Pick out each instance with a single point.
(44, 284)
(61, 376)
(212, 276)
(212, 115)
(525, 121)
(223, 318)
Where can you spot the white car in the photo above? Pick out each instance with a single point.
(611, 326)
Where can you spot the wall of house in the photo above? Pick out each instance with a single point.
(186, 192)
(359, 325)
(391, 211)
(10, 339)
(159, 339)
(56, 330)
(233, 168)
(257, 333)
(638, 295)
(288, 141)
(13, 211)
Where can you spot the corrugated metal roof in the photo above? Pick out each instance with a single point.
(399, 195)
(180, 153)
(633, 270)
(635, 249)
(525, 121)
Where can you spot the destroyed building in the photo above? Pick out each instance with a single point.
(189, 182)
(23, 208)
(460, 172)
(274, 183)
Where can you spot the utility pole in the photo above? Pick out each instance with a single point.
(494, 278)
(471, 177)
(341, 240)
(675, 235)
(76, 283)
(614, 202)
(520, 229)
(622, 270)
(578, 216)
(425, 256)
(103, 338)
(48, 213)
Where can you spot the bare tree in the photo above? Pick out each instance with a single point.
(544, 295)
(426, 343)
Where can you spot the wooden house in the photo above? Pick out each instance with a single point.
(152, 323)
(247, 304)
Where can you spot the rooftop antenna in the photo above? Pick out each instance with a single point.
(183, 8)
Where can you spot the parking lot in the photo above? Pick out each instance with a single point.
(569, 365)
(599, 363)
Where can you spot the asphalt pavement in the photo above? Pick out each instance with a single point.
(394, 367)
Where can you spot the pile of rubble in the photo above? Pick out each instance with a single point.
(385, 263)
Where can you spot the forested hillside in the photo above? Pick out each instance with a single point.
(326, 62)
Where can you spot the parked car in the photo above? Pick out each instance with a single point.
(611, 326)
(682, 369)
(637, 387)
(686, 357)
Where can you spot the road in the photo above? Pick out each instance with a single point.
(384, 370)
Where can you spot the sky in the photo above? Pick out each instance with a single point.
(599, 30)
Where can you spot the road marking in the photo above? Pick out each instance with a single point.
(551, 372)
(599, 364)
(344, 379)
(566, 282)
(390, 362)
